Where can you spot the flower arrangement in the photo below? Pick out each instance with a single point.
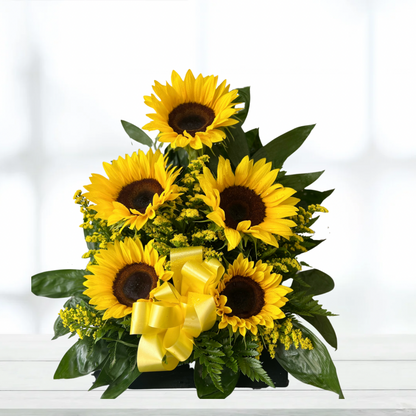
(188, 251)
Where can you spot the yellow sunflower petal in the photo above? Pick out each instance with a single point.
(123, 269)
(136, 187)
(248, 201)
(252, 280)
(191, 111)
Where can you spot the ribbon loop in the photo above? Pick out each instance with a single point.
(176, 315)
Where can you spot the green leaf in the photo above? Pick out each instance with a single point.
(122, 383)
(300, 181)
(311, 197)
(279, 149)
(82, 358)
(318, 282)
(236, 144)
(243, 97)
(59, 329)
(325, 328)
(251, 367)
(314, 367)
(111, 371)
(137, 134)
(205, 387)
(177, 157)
(58, 283)
(309, 244)
(253, 141)
(214, 153)
(75, 300)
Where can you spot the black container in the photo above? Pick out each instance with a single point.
(182, 377)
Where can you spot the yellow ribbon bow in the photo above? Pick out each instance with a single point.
(177, 313)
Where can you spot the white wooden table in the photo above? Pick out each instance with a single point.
(377, 374)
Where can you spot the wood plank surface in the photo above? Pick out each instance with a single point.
(187, 399)
(377, 373)
(355, 375)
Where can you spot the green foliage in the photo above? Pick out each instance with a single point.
(120, 359)
(310, 197)
(121, 383)
(208, 354)
(301, 303)
(59, 329)
(244, 352)
(316, 282)
(314, 367)
(325, 328)
(206, 388)
(136, 133)
(253, 141)
(218, 354)
(279, 149)
(236, 144)
(311, 283)
(300, 181)
(214, 153)
(243, 97)
(58, 283)
(177, 157)
(84, 357)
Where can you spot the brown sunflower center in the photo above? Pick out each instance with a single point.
(192, 117)
(138, 195)
(245, 297)
(134, 282)
(240, 204)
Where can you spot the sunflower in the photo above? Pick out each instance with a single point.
(125, 273)
(249, 296)
(136, 187)
(248, 202)
(191, 111)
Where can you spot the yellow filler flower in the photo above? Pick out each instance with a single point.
(191, 111)
(248, 201)
(126, 272)
(249, 296)
(136, 187)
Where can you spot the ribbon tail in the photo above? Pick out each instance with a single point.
(152, 356)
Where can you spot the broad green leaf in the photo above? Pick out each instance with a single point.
(59, 329)
(311, 197)
(236, 144)
(214, 153)
(279, 149)
(104, 378)
(253, 141)
(314, 367)
(309, 244)
(59, 283)
(243, 97)
(75, 300)
(318, 282)
(300, 181)
(137, 134)
(82, 358)
(325, 328)
(205, 387)
(177, 157)
(122, 383)
(110, 371)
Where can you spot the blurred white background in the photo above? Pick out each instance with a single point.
(70, 70)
